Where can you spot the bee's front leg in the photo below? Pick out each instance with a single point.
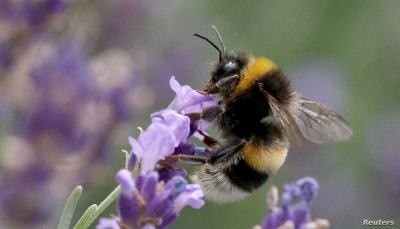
(210, 115)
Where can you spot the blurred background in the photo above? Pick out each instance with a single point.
(78, 77)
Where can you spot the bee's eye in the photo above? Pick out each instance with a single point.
(225, 71)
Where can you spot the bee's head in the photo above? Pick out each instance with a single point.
(225, 73)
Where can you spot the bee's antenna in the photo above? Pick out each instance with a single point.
(216, 47)
(220, 39)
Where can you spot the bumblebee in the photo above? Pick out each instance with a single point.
(259, 115)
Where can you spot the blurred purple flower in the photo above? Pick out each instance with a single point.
(305, 188)
(5, 56)
(51, 130)
(294, 211)
(24, 23)
(30, 13)
(115, 79)
(68, 121)
(62, 90)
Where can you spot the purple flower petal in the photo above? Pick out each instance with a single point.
(309, 187)
(139, 181)
(153, 145)
(148, 226)
(303, 190)
(194, 126)
(167, 220)
(189, 100)
(149, 187)
(191, 196)
(124, 178)
(107, 223)
(275, 219)
(293, 189)
(132, 159)
(163, 204)
(127, 205)
(300, 214)
(202, 151)
(175, 85)
(206, 102)
(179, 124)
(159, 207)
(167, 174)
(175, 187)
(187, 148)
(128, 210)
(286, 200)
(137, 149)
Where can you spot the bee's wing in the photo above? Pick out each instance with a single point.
(311, 120)
(284, 119)
(320, 124)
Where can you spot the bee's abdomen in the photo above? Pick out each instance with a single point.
(217, 186)
(265, 157)
(245, 176)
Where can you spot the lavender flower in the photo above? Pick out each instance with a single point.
(157, 138)
(148, 202)
(30, 13)
(187, 101)
(158, 194)
(294, 211)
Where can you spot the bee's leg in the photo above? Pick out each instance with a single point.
(186, 159)
(207, 140)
(228, 81)
(222, 154)
(210, 115)
(194, 116)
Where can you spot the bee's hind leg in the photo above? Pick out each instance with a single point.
(224, 153)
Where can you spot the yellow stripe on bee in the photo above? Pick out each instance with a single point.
(263, 158)
(254, 72)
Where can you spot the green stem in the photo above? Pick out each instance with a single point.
(105, 203)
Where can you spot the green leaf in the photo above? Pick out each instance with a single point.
(105, 203)
(69, 208)
(85, 219)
